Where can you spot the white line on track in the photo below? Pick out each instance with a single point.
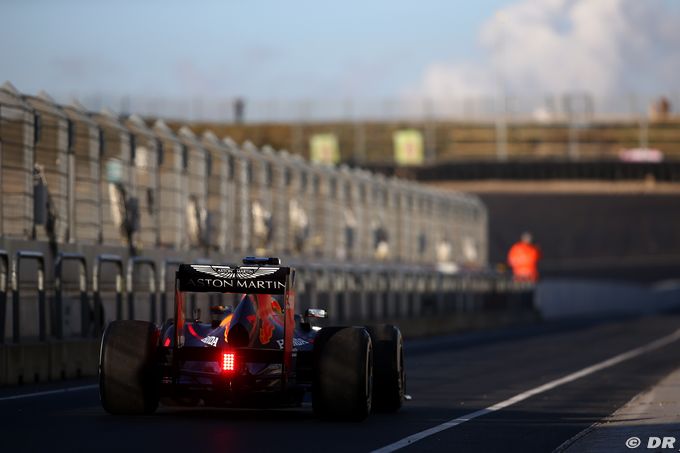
(49, 392)
(407, 441)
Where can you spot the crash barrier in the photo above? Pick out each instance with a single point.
(16, 298)
(117, 261)
(350, 294)
(57, 324)
(374, 295)
(421, 301)
(145, 188)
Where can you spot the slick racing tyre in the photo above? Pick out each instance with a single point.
(343, 375)
(388, 367)
(128, 378)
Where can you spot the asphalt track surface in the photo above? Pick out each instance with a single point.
(448, 378)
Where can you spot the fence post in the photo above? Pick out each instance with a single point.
(312, 287)
(439, 288)
(339, 295)
(323, 291)
(643, 132)
(370, 294)
(4, 278)
(421, 289)
(133, 263)
(57, 321)
(300, 288)
(351, 296)
(386, 297)
(96, 277)
(16, 279)
(399, 297)
(161, 285)
(501, 132)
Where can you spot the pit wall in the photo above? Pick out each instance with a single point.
(46, 337)
(570, 298)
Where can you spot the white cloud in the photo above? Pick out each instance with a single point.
(602, 47)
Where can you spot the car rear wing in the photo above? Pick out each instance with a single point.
(248, 279)
(233, 279)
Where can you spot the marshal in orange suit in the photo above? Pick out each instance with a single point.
(523, 258)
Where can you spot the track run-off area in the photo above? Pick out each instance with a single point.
(527, 389)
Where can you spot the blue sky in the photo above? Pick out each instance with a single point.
(258, 49)
(293, 50)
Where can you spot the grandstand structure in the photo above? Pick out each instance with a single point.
(459, 141)
(573, 127)
(76, 178)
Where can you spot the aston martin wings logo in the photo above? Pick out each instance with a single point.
(244, 272)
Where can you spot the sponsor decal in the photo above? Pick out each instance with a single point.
(233, 279)
(210, 340)
(238, 284)
(243, 272)
(296, 342)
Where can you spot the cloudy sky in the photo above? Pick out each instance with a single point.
(271, 49)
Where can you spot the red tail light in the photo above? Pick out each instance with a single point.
(228, 361)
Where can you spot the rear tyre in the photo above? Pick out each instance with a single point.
(388, 367)
(343, 374)
(128, 378)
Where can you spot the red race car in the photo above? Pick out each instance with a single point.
(259, 354)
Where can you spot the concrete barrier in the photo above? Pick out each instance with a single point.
(27, 363)
(73, 359)
(441, 325)
(564, 298)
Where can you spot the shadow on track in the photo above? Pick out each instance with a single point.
(422, 346)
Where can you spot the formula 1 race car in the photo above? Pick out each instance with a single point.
(260, 354)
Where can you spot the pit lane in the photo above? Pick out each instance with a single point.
(448, 377)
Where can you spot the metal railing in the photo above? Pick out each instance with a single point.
(96, 288)
(134, 263)
(58, 326)
(16, 295)
(351, 294)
